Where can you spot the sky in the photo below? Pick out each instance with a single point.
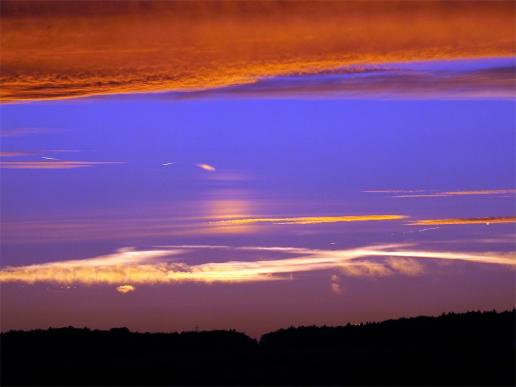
(191, 177)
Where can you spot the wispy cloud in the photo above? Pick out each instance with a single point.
(485, 221)
(311, 219)
(13, 154)
(405, 266)
(53, 164)
(441, 194)
(481, 192)
(393, 190)
(335, 284)
(18, 132)
(129, 267)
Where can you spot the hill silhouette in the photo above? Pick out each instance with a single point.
(474, 348)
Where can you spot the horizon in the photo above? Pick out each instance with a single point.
(258, 338)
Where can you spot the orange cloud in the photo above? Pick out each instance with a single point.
(53, 49)
(311, 219)
(207, 167)
(216, 216)
(487, 221)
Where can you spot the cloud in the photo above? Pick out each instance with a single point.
(18, 132)
(192, 219)
(207, 167)
(311, 219)
(454, 82)
(201, 45)
(53, 164)
(393, 190)
(405, 266)
(365, 269)
(486, 221)
(156, 266)
(124, 289)
(335, 285)
(13, 154)
(480, 192)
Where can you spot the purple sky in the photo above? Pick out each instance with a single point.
(83, 178)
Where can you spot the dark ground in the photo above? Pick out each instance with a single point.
(453, 349)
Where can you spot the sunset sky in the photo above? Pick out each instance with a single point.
(255, 165)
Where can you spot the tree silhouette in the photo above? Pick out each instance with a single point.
(453, 349)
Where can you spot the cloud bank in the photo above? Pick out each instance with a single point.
(53, 49)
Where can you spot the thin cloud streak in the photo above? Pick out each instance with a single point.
(53, 164)
(19, 132)
(420, 193)
(485, 221)
(13, 154)
(392, 190)
(480, 192)
(311, 219)
(129, 267)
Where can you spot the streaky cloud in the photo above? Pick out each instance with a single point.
(19, 132)
(311, 219)
(13, 154)
(451, 221)
(51, 163)
(442, 194)
(129, 267)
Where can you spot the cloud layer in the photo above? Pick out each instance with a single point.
(126, 268)
(449, 80)
(53, 50)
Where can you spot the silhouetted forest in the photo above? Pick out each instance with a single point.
(453, 349)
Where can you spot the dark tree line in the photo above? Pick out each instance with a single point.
(453, 349)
